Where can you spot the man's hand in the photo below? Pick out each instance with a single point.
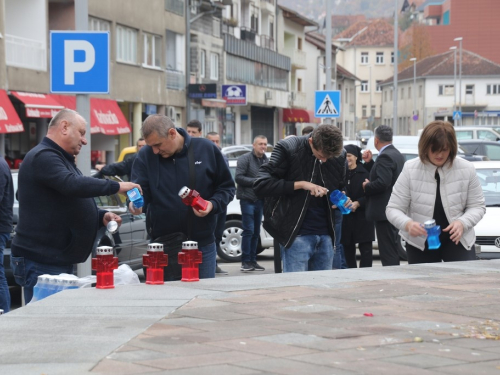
(316, 190)
(415, 229)
(367, 156)
(110, 216)
(354, 206)
(210, 207)
(133, 210)
(99, 166)
(367, 181)
(126, 186)
(456, 230)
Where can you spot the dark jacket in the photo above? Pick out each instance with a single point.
(162, 178)
(355, 226)
(58, 217)
(246, 172)
(383, 176)
(121, 169)
(284, 208)
(6, 197)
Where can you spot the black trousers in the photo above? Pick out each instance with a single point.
(387, 238)
(366, 251)
(448, 252)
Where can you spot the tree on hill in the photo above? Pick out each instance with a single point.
(417, 45)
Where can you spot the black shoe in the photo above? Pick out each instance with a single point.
(220, 271)
(247, 267)
(257, 267)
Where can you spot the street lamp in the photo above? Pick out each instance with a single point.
(454, 49)
(414, 59)
(460, 80)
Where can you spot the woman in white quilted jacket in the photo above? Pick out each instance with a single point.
(437, 186)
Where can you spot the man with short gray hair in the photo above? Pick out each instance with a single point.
(378, 189)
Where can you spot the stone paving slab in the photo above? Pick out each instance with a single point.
(421, 319)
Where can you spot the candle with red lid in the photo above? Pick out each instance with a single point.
(104, 263)
(154, 262)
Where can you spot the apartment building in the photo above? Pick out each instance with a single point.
(433, 95)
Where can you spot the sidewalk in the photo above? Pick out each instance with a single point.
(427, 319)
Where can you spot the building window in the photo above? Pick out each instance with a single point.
(385, 96)
(364, 57)
(378, 88)
(203, 59)
(346, 96)
(95, 24)
(392, 57)
(364, 86)
(216, 27)
(152, 50)
(299, 44)
(391, 94)
(493, 89)
(254, 18)
(420, 91)
(299, 84)
(126, 44)
(175, 6)
(469, 89)
(402, 93)
(373, 109)
(446, 90)
(409, 92)
(379, 59)
(214, 66)
(363, 110)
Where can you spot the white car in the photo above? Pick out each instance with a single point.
(230, 246)
(488, 230)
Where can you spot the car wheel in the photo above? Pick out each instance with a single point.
(277, 257)
(402, 248)
(230, 245)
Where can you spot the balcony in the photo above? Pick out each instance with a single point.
(175, 6)
(267, 6)
(247, 34)
(25, 53)
(298, 99)
(175, 80)
(297, 57)
(267, 42)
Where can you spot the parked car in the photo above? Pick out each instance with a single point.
(230, 246)
(129, 243)
(488, 230)
(485, 132)
(363, 136)
(491, 149)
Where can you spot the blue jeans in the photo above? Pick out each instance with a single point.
(308, 253)
(207, 267)
(251, 213)
(4, 287)
(339, 261)
(26, 273)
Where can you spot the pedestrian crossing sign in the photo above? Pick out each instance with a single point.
(327, 104)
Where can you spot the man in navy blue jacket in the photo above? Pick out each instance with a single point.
(6, 203)
(58, 217)
(162, 169)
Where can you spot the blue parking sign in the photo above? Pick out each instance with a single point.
(79, 62)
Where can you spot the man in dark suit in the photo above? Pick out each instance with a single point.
(378, 189)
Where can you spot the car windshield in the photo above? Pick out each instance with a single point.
(490, 182)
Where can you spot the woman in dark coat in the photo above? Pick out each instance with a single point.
(356, 229)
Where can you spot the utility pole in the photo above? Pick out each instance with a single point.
(395, 84)
(460, 81)
(328, 49)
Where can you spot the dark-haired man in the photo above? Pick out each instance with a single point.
(297, 212)
(194, 128)
(383, 175)
(122, 168)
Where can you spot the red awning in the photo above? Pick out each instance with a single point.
(105, 115)
(9, 120)
(300, 115)
(38, 105)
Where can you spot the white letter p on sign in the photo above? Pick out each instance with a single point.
(70, 65)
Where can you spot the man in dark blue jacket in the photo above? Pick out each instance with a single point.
(123, 168)
(6, 203)
(58, 217)
(162, 168)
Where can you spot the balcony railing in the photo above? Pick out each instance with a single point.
(269, 1)
(176, 80)
(267, 42)
(25, 53)
(247, 34)
(227, 29)
(298, 57)
(175, 6)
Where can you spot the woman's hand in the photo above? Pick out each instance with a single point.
(456, 230)
(415, 229)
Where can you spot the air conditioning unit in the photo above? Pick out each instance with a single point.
(171, 113)
(269, 95)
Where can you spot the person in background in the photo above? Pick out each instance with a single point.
(194, 128)
(437, 185)
(163, 168)
(356, 229)
(6, 215)
(251, 206)
(378, 189)
(214, 137)
(58, 217)
(123, 168)
(307, 130)
(297, 212)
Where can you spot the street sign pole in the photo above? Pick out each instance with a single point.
(83, 108)
(328, 50)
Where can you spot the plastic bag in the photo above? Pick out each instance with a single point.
(124, 275)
